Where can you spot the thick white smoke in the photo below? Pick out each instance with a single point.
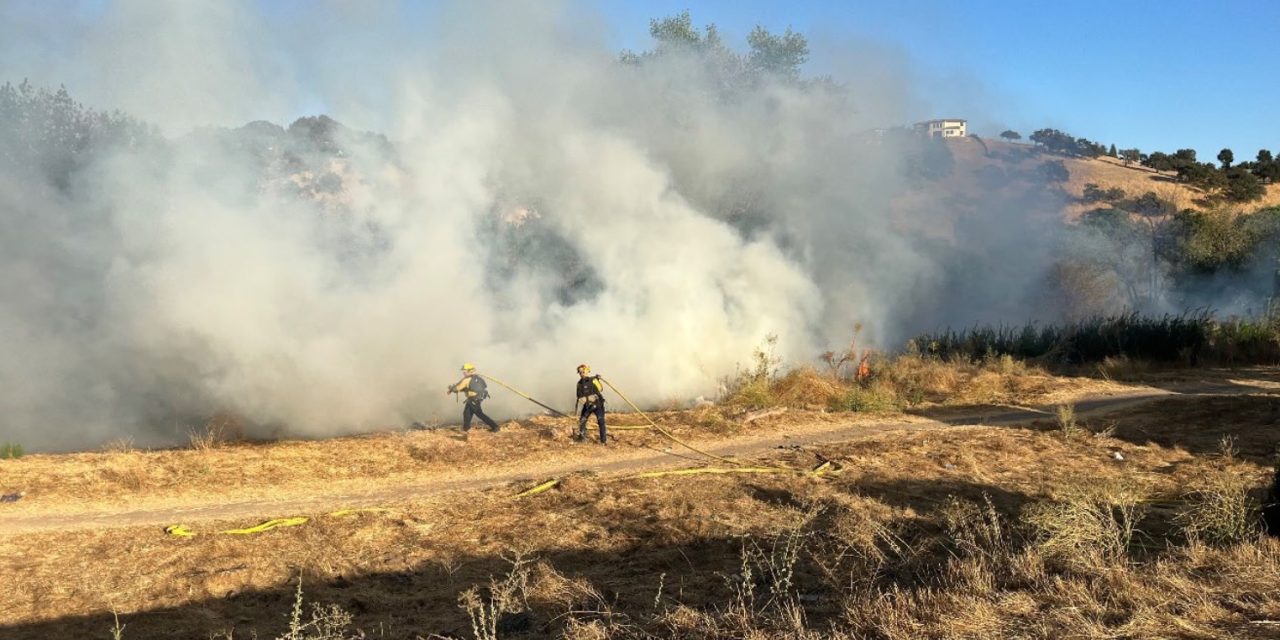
(539, 204)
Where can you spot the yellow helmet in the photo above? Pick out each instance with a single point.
(468, 367)
(582, 368)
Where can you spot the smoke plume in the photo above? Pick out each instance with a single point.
(526, 201)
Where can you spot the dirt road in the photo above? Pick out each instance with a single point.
(613, 461)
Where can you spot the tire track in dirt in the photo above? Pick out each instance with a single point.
(660, 460)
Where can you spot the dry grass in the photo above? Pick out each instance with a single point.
(1088, 524)
(1218, 507)
(924, 381)
(806, 388)
(911, 380)
(963, 533)
(1136, 180)
(220, 460)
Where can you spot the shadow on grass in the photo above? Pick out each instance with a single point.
(424, 601)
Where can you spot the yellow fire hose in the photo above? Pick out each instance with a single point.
(522, 394)
(668, 435)
(708, 470)
(538, 489)
(183, 531)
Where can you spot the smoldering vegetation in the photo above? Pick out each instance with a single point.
(531, 200)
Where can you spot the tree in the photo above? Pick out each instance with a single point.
(1160, 161)
(733, 74)
(1054, 171)
(677, 32)
(1087, 148)
(1066, 144)
(781, 55)
(1112, 151)
(1202, 175)
(1130, 156)
(1242, 186)
(1010, 135)
(1155, 212)
(1094, 193)
(1209, 241)
(1226, 158)
(1267, 168)
(49, 131)
(1051, 139)
(1110, 237)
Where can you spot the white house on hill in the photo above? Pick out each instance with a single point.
(945, 128)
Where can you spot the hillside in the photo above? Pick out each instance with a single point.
(975, 166)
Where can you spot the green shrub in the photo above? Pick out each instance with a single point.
(1189, 338)
(10, 451)
(870, 399)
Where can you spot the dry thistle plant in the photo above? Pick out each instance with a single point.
(1087, 525)
(205, 438)
(1068, 426)
(506, 596)
(1218, 509)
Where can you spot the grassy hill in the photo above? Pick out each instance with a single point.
(979, 164)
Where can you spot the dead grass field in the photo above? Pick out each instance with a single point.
(1037, 531)
(105, 480)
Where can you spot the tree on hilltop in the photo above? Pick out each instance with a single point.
(768, 55)
(1066, 144)
(1242, 186)
(1226, 158)
(1267, 168)
(778, 54)
(1010, 135)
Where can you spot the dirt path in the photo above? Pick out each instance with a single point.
(612, 462)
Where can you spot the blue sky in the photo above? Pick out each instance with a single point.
(1153, 74)
(1156, 75)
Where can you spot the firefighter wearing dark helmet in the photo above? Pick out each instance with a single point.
(591, 394)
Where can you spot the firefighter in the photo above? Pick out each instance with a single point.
(591, 394)
(474, 389)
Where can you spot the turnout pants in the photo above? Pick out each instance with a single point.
(588, 409)
(472, 408)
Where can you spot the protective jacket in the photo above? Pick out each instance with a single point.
(473, 386)
(591, 389)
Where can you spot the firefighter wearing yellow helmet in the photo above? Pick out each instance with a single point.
(591, 395)
(474, 390)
